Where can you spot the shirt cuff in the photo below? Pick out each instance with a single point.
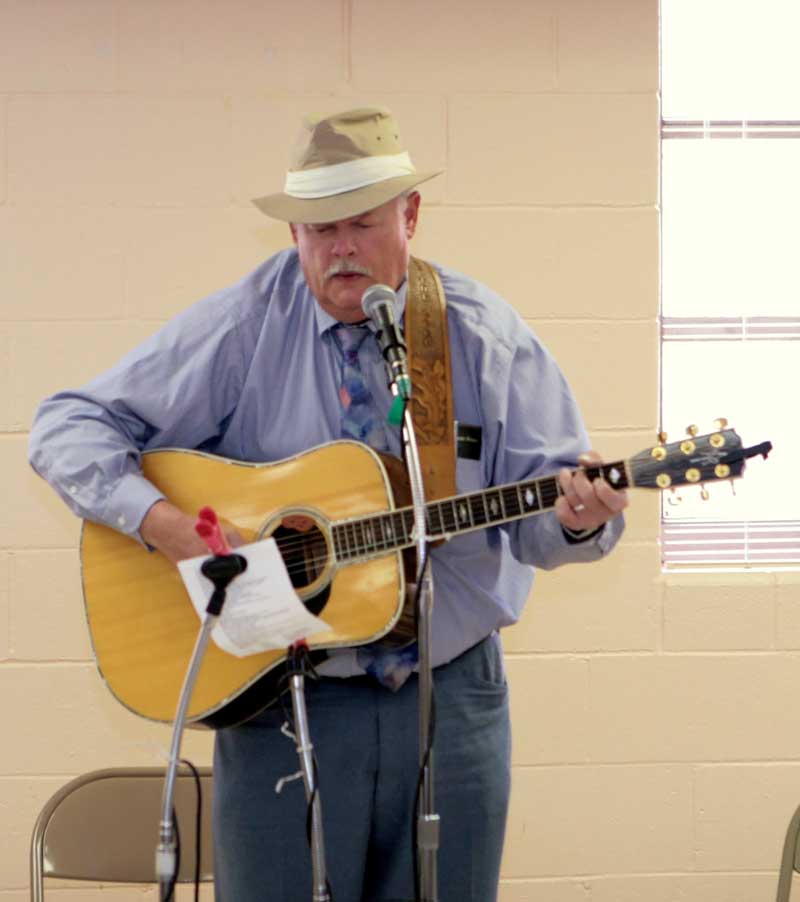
(132, 498)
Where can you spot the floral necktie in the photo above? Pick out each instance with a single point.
(361, 421)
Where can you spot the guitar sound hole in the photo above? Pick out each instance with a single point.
(305, 555)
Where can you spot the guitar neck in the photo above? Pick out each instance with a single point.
(381, 533)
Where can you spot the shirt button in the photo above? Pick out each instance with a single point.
(121, 521)
(73, 490)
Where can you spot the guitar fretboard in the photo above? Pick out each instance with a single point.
(381, 533)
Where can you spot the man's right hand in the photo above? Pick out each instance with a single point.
(171, 531)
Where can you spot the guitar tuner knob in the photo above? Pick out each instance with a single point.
(720, 423)
(662, 438)
(692, 430)
(704, 494)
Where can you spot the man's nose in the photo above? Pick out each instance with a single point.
(343, 245)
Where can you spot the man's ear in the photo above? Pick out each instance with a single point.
(411, 213)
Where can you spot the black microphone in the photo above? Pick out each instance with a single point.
(377, 302)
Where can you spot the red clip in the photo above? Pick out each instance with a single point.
(209, 530)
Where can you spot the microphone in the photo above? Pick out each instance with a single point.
(377, 302)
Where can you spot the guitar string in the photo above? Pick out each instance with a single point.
(299, 542)
(363, 545)
(291, 544)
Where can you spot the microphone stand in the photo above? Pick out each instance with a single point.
(305, 752)
(378, 304)
(221, 569)
(427, 819)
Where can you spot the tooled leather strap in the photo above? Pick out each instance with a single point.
(428, 351)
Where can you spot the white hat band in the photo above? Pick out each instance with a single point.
(325, 181)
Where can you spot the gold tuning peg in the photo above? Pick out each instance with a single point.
(704, 493)
(720, 423)
(692, 430)
(662, 438)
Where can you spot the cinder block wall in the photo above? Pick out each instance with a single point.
(655, 740)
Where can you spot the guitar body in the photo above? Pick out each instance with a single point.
(142, 624)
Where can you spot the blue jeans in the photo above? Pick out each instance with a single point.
(366, 744)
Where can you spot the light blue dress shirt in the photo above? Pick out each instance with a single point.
(252, 373)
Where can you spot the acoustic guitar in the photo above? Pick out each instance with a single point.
(347, 567)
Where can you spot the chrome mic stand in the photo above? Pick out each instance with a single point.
(378, 303)
(221, 569)
(305, 752)
(427, 819)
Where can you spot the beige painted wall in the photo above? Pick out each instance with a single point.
(655, 752)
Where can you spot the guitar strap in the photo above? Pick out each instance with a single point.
(428, 350)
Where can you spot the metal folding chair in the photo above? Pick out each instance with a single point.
(103, 826)
(790, 861)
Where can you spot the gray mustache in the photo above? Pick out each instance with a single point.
(343, 266)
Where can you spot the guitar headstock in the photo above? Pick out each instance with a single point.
(694, 460)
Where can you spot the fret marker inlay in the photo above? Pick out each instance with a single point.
(529, 497)
(614, 475)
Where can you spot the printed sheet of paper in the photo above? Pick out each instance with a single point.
(262, 610)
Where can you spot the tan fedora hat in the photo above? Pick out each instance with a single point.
(346, 164)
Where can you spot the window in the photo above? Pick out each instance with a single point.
(730, 313)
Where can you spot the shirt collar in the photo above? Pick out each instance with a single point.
(325, 322)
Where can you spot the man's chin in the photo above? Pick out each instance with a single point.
(345, 304)
(348, 294)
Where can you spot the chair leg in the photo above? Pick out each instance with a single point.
(788, 859)
(37, 860)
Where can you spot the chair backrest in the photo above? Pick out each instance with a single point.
(103, 826)
(790, 860)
